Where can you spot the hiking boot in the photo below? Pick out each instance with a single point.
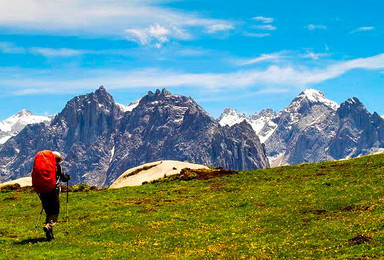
(48, 232)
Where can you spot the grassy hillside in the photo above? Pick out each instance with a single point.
(323, 210)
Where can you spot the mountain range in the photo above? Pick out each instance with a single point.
(313, 128)
(101, 139)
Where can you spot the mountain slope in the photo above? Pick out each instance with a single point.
(309, 211)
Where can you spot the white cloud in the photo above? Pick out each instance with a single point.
(261, 58)
(267, 27)
(50, 52)
(363, 29)
(257, 35)
(263, 19)
(313, 55)
(100, 18)
(219, 27)
(274, 76)
(154, 35)
(312, 27)
(8, 47)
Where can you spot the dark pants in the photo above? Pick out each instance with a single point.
(51, 205)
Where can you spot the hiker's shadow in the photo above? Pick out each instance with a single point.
(31, 241)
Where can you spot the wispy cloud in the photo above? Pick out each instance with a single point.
(263, 19)
(262, 58)
(219, 27)
(11, 48)
(313, 55)
(267, 27)
(50, 52)
(312, 27)
(8, 47)
(257, 35)
(285, 76)
(259, 30)
(143, 21)
(363, 29)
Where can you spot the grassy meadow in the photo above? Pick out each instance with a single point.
(323, 210)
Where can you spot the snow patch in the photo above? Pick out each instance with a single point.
(277, 160)
(130, 107)
(261, 123)
(112, 154)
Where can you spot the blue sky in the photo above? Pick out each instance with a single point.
(247, 55)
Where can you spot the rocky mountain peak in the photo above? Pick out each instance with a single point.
(98, 100)
(265, 113)
(230, 117)
(353, 102)
(158, 95)
(101, 95)
(315, 96)
(89, 116)
(352, 105)
(24, 113)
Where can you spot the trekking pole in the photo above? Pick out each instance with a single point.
(38, 220)
(66, 206)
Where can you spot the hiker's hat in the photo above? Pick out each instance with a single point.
(58, 156)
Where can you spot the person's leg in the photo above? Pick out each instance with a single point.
(51, 205)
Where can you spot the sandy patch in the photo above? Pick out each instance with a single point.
(23, 182)
(152, 171)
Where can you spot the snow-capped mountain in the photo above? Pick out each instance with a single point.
(14, 124)
(302, 128)
(313, 128)
(230, 117)
(316, 96)
(262, 123)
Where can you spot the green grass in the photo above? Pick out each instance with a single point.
(304, 211)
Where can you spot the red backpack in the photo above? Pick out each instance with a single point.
(44, 172)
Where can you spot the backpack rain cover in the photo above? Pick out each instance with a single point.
(44, 172)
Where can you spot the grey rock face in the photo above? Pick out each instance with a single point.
(100, 141)
(359, 132)
(302, 132)
(164, 126)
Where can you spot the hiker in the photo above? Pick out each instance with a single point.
(46, 175)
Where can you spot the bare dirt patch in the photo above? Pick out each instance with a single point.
(202, 174)
(355, 208)
(12, 198)
(360, 239)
